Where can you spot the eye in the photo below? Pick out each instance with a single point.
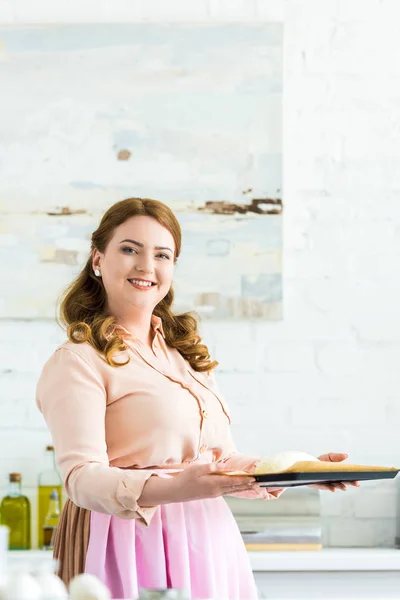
(128, 250)
(162, 255)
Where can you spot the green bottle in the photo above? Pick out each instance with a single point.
(15, 510)
(51, 521)
(48, 480)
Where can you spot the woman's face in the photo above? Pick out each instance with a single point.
(138, 264)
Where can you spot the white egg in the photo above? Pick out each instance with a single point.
(20, 585)
(88, 587)
(52, 587)
(283, 461)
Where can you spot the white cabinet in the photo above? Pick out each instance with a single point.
(331, 573)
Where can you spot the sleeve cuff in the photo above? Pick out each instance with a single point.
(129, 491)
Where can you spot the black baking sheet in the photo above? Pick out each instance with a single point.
(304, 478)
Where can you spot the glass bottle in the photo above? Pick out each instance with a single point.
(51, 521)
(48, 480)
(15, 512)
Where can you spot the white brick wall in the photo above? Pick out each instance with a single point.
(326, 377)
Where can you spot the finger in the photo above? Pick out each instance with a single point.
(340, 486)
(328, 486)
(233, 479)
(344, 484)
(337, 456)
(236, 481)
(240, 488)
(323, 486)
(215, 469)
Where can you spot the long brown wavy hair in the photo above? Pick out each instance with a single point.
(82, 309)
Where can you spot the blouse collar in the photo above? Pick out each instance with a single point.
(156, 324)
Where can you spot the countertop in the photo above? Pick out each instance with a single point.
(328, 559)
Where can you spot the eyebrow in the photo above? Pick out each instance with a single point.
(142, 245)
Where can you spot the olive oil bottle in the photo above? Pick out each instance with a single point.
(48, 480)
(51, 521)
(15, 513)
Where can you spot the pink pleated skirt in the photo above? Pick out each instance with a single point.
(192, 546)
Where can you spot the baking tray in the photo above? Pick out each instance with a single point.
(308, 478)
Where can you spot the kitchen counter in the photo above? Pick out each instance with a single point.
(332, 573)
(328, 559)
(345, 573)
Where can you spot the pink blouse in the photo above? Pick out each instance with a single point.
(113, 428)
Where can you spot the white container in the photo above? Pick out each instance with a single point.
(3, 552)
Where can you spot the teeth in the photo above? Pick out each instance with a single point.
(143, 283)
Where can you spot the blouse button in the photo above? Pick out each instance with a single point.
(204, 413)
(203, 449)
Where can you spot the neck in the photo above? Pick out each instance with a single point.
(142, 331)
(137, 322)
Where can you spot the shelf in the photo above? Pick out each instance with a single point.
(328, 559)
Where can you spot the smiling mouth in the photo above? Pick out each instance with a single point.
(142, 284)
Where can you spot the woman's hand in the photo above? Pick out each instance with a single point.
(203, 481)
(196, 482)
(340, 485)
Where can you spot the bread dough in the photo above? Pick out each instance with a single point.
(282, 461)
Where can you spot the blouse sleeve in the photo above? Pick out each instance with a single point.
(72, 399)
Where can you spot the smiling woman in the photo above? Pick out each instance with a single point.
(145, 450)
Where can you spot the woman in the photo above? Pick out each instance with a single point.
(140, 429)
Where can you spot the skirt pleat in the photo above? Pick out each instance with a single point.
(71, 541)
(193, 546)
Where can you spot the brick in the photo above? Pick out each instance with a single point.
(342, 10)
(382, 359)
(238, 357)
(362, 533)
(342, 358)
(24, 444)
(348, 48)
(14, 413)
(233, 10)
(289, 357)
(25, 358)
(376, 503)
(249, 402)
(337, 504)
(270, 10)
(159, 11)
(346, 412)
(18, 385)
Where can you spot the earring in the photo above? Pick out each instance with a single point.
(97, 273)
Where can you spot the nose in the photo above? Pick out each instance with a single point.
(144, 264)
